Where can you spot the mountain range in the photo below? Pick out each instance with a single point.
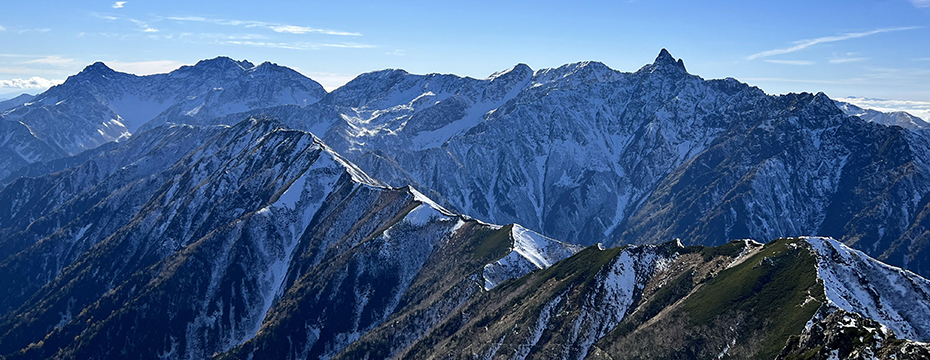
(231, 211)
(100, 105)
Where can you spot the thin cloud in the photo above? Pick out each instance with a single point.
(2, 28)
(119, 4)
(52, 60)
(43, 30)
(921, 3)
(34, 82)
(296, 45)
(20, 55)
(276, 27)
(292, 29)
(105, 17)
(791, 62)
(807, 81)
(143, 26)
(847, 60)
(803, 44)
(898, 75)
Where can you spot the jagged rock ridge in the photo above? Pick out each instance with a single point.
(100, 105)
(587, 154)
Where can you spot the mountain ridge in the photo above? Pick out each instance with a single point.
(542, 147)
(257, 240)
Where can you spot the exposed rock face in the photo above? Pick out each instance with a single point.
(587, 154)
(844, 335)
(203, 234)
(580, 153)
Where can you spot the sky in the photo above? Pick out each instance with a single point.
(877, 51)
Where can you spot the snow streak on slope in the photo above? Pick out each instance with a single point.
(530, 251)
(896, 298)
(289, 215)
(619, 286)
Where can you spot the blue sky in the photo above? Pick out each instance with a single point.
(873, 49)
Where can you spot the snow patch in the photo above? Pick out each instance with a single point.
(422, 214)
(530, 251)
(81, 232)
(855, 282)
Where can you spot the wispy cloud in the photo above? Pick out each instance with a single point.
(145, 67)
(807, 81)
(791, 62)
(42, 30)
(898, 75)
(34, 82)
(276, 27)
(119, 4)
(2, 28)
(21, 70)
(104, 16)
(296, 45)
(292, 29)
(803, 44)
(19, 55)
(52, 60)
(847, 60)
(143, 26)
(921, 3)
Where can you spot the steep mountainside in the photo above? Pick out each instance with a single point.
(18, 147)
(587, 154)
(258, 241)
(539, 148)
(581, 153)
(14, 102)
(100, 105)
(200, 235)
(739, 300)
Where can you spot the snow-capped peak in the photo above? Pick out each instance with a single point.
(520, 70)
(225, 62)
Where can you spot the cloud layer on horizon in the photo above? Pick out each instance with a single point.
(34, 82)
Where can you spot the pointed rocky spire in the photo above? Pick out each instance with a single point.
(664, 57)
(665, 60)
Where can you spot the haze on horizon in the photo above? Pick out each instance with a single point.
(866, 49)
